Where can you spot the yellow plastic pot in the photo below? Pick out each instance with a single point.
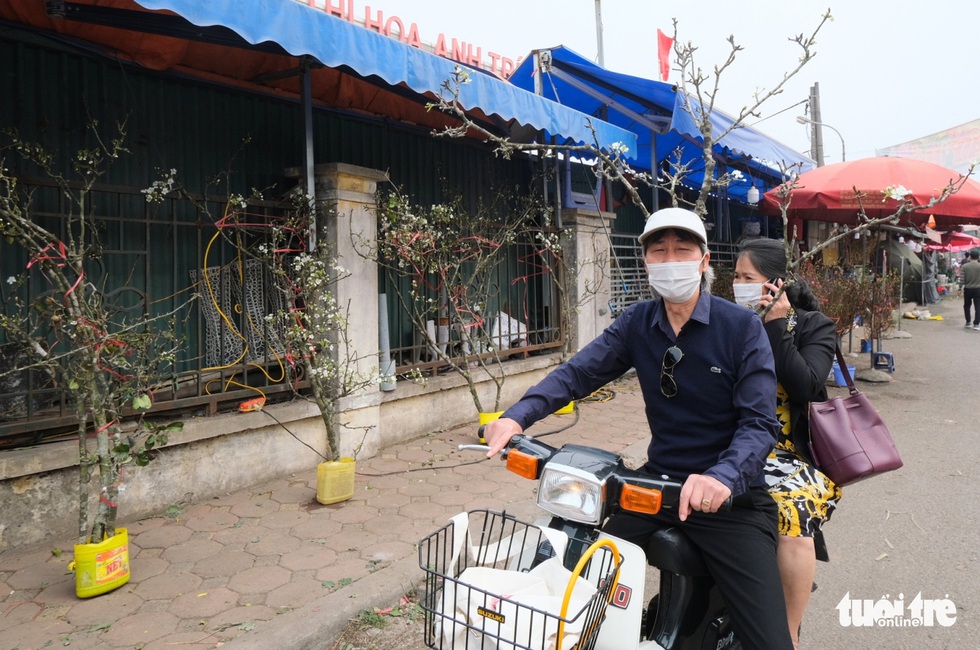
(489, 417)
(335, 481)
(103, 566)
(486, 418)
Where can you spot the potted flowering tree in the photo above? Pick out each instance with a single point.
(879, 302)
(441, 262)
(105, 361)
(840, 291)
(312, 323)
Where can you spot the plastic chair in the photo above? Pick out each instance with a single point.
(883, 361)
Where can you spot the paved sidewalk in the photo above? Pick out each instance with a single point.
(270, 567)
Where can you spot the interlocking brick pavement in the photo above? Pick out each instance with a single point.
(269, 566)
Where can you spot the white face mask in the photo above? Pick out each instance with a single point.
(675, 281)
(747, 294)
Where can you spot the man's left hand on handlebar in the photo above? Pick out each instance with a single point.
(499, 432)
(703, 494)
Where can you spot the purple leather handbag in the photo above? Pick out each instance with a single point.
(848, 439)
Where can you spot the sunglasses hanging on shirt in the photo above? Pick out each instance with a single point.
(672, 357)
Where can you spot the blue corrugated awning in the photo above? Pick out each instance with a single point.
(304, 31)
(654, 111)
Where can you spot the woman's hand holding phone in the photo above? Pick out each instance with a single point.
(781, 306)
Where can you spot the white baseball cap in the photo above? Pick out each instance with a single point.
(674, 218)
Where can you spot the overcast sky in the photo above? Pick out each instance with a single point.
(889, 72)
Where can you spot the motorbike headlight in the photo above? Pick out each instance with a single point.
(571, 494)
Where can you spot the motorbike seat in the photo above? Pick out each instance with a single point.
(670, 550)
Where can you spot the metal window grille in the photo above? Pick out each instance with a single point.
(628, 274)
(514, 311)
(150, 259)
(157, 253)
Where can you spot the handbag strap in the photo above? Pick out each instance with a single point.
(843, 371)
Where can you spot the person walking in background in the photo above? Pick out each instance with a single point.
(803, 342)
(970, 289)
(957, 264)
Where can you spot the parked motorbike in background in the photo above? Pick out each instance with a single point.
(579, 487)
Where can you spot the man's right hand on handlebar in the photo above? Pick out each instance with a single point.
(498, 433)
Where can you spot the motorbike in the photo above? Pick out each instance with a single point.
(579, 487)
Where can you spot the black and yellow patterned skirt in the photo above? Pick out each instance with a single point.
(805, 496)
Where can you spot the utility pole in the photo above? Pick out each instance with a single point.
(816, 133)
(598, 33)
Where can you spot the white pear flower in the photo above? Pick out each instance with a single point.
(897, 192)
(619, 148)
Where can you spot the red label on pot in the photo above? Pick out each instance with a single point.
(111, 564)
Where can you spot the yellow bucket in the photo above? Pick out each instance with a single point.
(486, 418)
(335, 481)
(102, 567)
(568, 408)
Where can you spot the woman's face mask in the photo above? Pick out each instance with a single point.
(747, 294)
(675, 281)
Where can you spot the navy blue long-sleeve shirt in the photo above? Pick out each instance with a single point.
(722, 420)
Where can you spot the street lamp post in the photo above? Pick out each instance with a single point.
(805, 120)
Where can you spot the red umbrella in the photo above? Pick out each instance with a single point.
(954, 242)
(828, 193)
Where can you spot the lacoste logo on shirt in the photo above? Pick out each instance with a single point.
(716, 369)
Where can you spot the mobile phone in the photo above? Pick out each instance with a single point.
(775, 282)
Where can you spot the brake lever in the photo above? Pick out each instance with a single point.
(473, 447)
(484, 448)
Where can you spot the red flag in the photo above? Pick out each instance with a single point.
(664, 45)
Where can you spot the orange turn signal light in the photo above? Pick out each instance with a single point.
(640, 499)
(522, 464)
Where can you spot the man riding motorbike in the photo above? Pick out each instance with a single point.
(706, 371)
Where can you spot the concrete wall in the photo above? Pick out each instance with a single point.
(228, 452)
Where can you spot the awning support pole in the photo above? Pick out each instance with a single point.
(306, 103)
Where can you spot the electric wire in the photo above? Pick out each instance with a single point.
(803, 101)
(290, 432)
(429, 468)
(601, 395)
(471, 462)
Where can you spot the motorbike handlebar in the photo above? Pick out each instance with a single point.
(670, 488)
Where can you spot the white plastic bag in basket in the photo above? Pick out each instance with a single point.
(517, 624)
(467, 602)
(532, 627)
(557, 577)
(529, 628)
(458, 605)
(507, 617)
